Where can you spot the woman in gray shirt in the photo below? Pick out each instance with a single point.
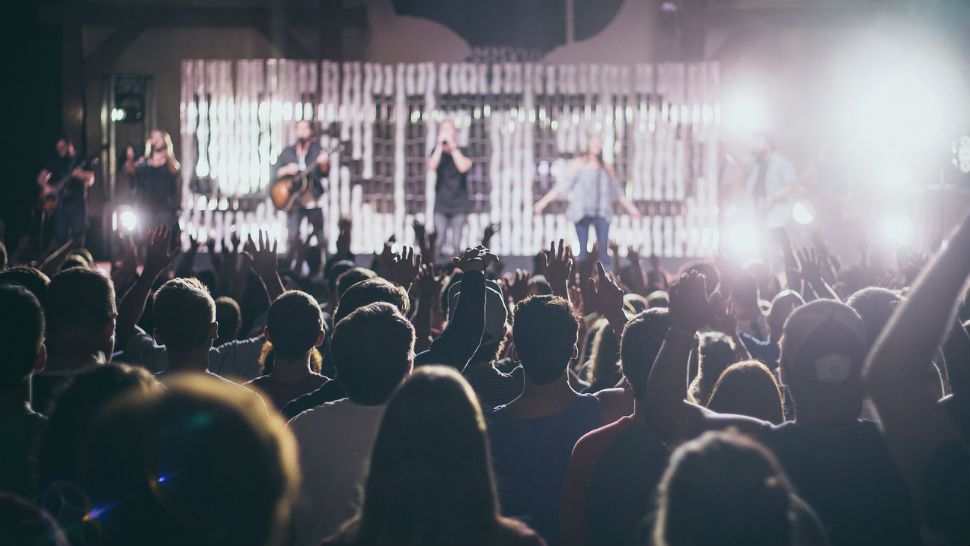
(591, 187)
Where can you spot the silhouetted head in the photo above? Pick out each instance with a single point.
(748, 388)
(294, 325)
(639, 346)
(185, 316)
(373, 351)
(545, 331)
(823, 349)
(724, 488)
(372, 291)
(80, 311)
(22, 339)
(430, 479)
(201, 462)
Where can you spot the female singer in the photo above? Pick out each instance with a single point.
(591, 187)
(155, 181)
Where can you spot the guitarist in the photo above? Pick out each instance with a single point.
(64, 180)
(297, 158)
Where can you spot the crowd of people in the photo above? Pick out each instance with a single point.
(303, 399)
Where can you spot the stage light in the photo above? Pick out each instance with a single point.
(803, 213)
(125, 219)
(897, 230)
(894, 97)
(741, 239)
(745, 110)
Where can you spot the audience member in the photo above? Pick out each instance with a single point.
(294, 326)
(533, 436)
(198, 463)
(838, 463)
(22, 339)
(373, 350)
(716, 352)
(430, 479)
(80, 313)
(614, 470)
(724, 488)
(748, 388)
(229, 317)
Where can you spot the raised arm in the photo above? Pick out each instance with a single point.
(462, 162)
(132, 306)
(263, 261)
(664, 405)
(915, 425)
(606, 297)
(558, 267)
(461, 338)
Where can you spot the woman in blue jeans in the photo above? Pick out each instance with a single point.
(591, 188)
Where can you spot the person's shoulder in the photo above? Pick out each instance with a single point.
(597, 440)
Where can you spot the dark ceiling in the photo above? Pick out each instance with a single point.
(528, 24)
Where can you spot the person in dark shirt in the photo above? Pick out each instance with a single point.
(839, 464)
(64, 166)
(533, 436)
(296, 158)
(80, 311)
(614, 470)
(294, 325)
(451, 164)
(21, 336)
(155, 182)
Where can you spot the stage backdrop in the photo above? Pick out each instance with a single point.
(522, 122)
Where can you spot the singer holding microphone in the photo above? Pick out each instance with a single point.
(451, 164)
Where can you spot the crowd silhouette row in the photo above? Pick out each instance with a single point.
(303, 399)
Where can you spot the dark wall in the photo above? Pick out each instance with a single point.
(31, 110)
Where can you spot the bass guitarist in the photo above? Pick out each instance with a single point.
(297, 158)
(63, 183)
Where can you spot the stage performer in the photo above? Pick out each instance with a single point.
(451, 164)
(591, 187)
(771, 184)
(63, 183)
(155, 181)
(307, 156)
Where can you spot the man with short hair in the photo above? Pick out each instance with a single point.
(373, 350)
(839, 463)
(294, 327)
(22, 337)
(533, 436)
(80, 313)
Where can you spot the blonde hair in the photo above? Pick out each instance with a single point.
(169, 147)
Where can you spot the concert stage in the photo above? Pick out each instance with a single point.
(521, 122)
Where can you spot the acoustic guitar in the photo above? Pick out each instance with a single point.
(50, 195)
(287, 189)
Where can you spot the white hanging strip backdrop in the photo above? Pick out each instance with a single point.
(520, 122)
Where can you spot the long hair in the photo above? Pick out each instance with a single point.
(430, 480)
(724, 488)
(604, 360)
(748, 388)
(169, 147)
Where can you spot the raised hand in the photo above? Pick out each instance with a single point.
(810, 268)
(690, 308)
(400, 268)
(558, 267)
(344, 227)
(261, 258)
(429, 282)
(604, 295)
(518, 285)
(159, 254)
(490, 231)
(475, 259)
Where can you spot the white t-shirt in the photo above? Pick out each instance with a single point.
(335, 442)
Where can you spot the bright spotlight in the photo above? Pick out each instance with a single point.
(803, 213)
(745, 111)
(741, 239)
(125, 219)
(897, 230)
